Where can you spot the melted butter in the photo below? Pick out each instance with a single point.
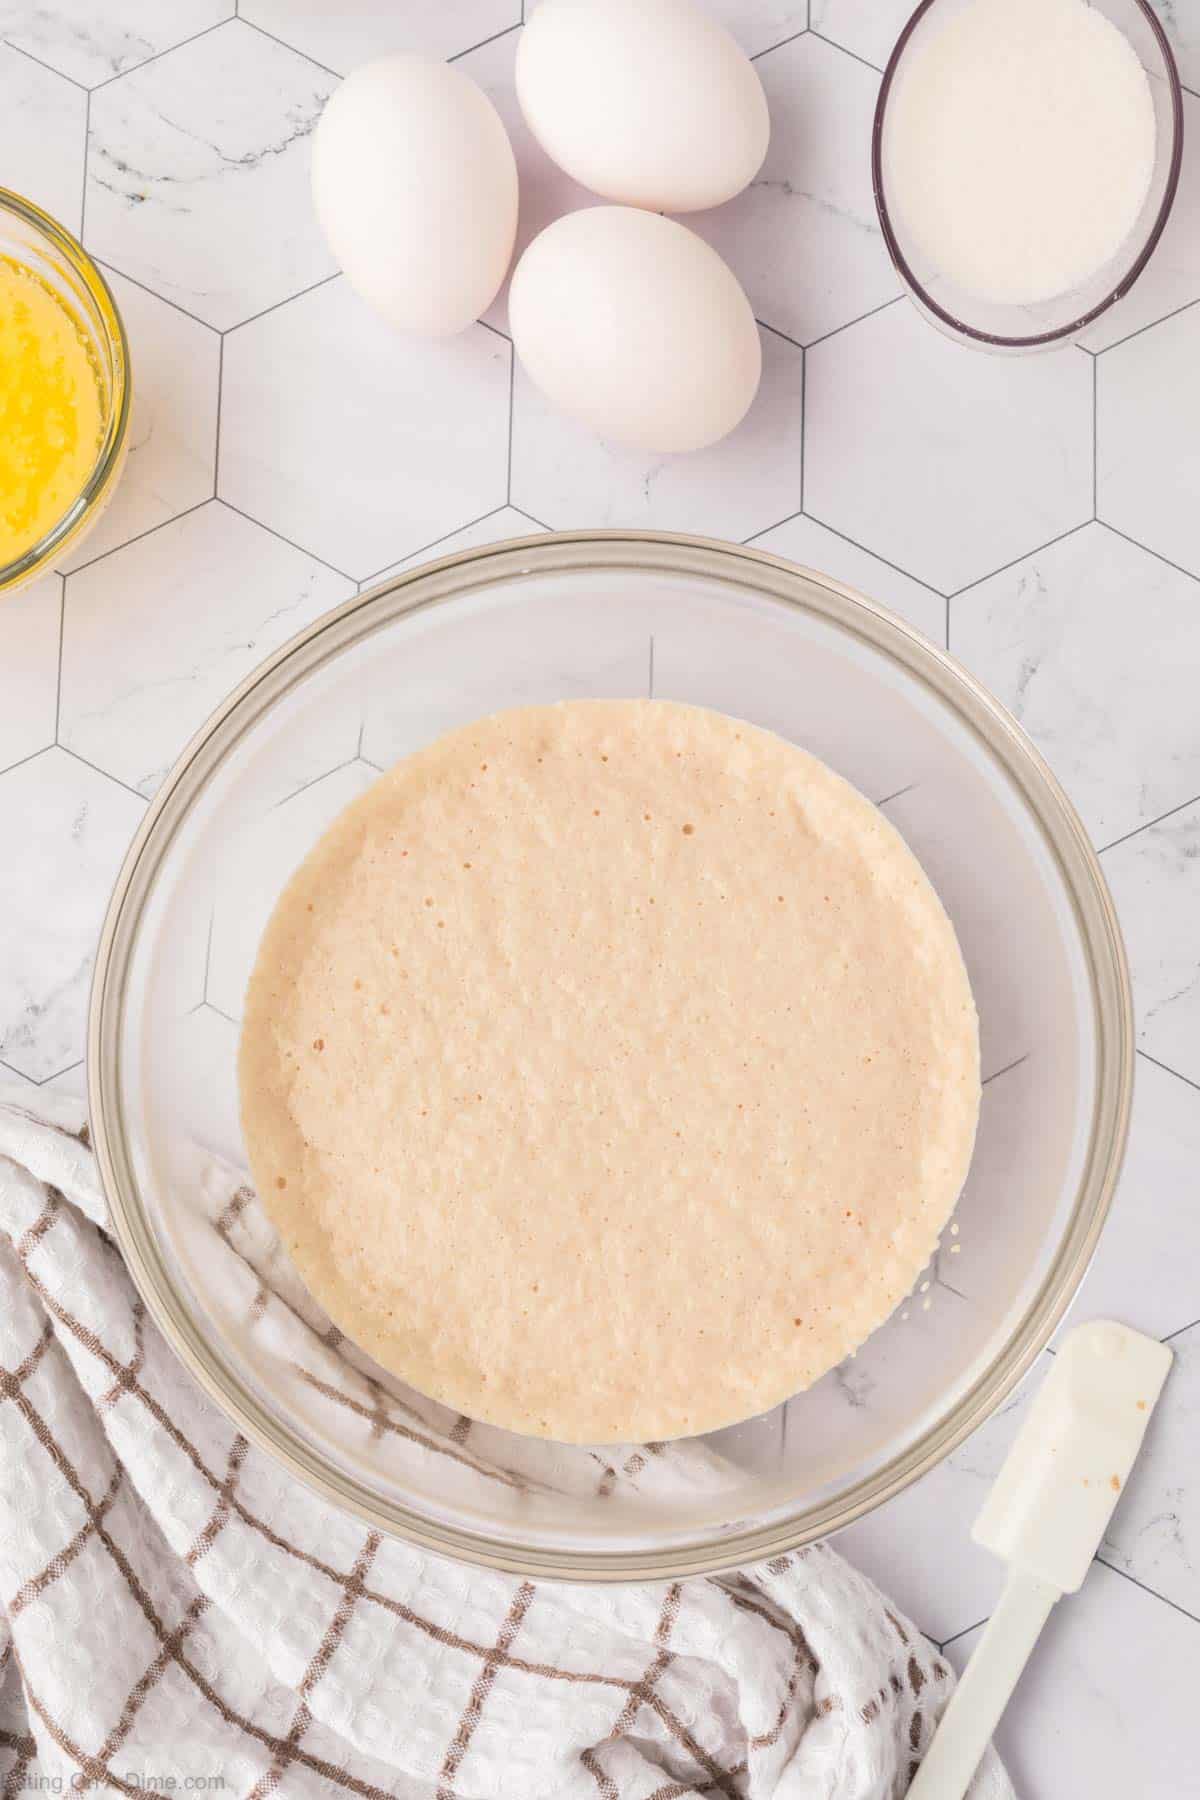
(51, 417)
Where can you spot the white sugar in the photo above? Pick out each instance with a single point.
(1020, 146)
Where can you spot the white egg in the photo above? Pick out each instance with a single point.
(633, 324)
(415, 185)
(648, 102)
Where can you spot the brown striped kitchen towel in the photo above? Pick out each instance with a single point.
(177, 1615)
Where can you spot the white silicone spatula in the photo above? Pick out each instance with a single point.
(1045, 1517)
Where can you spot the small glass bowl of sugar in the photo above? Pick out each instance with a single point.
(1025, 156)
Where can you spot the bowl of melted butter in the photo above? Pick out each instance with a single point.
(64, 392)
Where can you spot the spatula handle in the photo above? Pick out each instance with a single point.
(983, 1693)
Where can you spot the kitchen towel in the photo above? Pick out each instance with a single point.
(178, 1615)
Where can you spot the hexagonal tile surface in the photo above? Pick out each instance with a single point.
(1144, 1271)
(1172, 276)
(803, 541)
(756, 24)
(1155, 879)
(1148, 450)
(1101, 1713)
(173, 428)
(1155, 1532)
(945, 461)
(319, 458)
(30, 624)
(156, 634)
(92, 43)
(1106, 705)
(804, 239)
(43, 129)
(565, 476)
(1182, 26)
(207, 204)
(867, 27)
(73, 826)
(344, 36)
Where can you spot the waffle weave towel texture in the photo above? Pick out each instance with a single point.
(178, 1615)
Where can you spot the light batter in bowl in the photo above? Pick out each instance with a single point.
(610, 1069)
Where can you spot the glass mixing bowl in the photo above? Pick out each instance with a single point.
(32, 238)
(609, 614)
(996, 325)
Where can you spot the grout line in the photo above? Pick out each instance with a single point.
(279, 535)
(782, 44)
(1095, 437)
(1150, 824)
(853, 54)
(1153, 1592)
(1006, 1070)
(888, 798)
(346, 763)
(495, 330)
(965, 1632)
(221, 1013)
(947, 624)
(62, 624)
(1156, 554)
(483, 42)
(217, 425)
(778, 522)
(284, 45)
(136, 68)
(275, 304)
(87, 143)
(1026, 556)
(776, 332)
(1179, 1330)
(377, 574)
(1168, 1070)
(212, 921)
(526, 514)
(49, 67)
(22, 760)
(803, 421)
(1142, 329)
(838, 329)
(19, 1073)
(885, 561)
(137, 538)
(112, 269)
(106, 773)
(46, 1079)
(650, 685)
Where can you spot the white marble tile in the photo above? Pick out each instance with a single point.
(30, 622)
(1148, 448)
(382, 443)
(43, 132)
(565, 476)
(867, 27)
(1154, 1535)
(173, 426)
(69, 827)
(804, 239)
(1155, 880)
(207, 200)
(156, 634)
(1172, 276)
(546, 192)
(1146, 1271)
(1103, 1709)
(263, 854)
(1181, 22)
(756, 24)
(804, 541)
(505, 522)
(945, 461)
(92, 42)
(351, 33)
(1112, 709)
(918, 1547)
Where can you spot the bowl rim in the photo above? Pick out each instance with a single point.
(645, 552)
(109, 457)
(1041, 339)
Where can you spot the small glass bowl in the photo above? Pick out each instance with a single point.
(31, 237)
(999, 325)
